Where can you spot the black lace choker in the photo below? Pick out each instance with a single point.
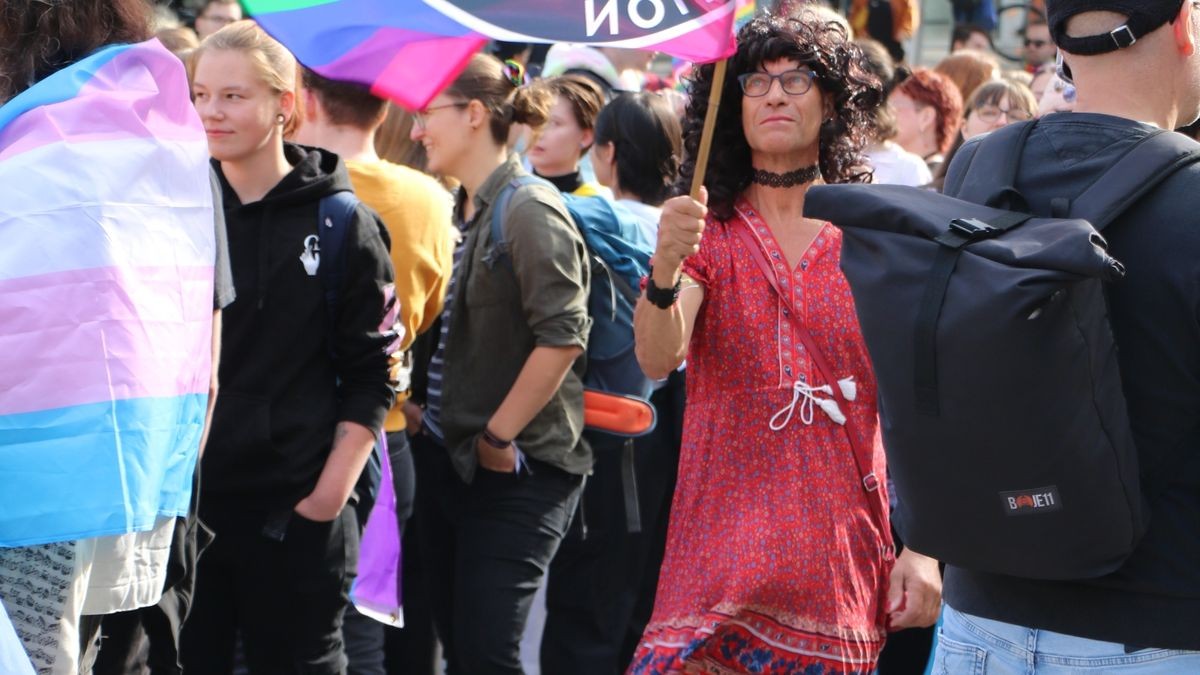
(786, 180)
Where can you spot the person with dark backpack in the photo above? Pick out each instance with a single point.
(306, 389)
(501, 460)
(1037, 344)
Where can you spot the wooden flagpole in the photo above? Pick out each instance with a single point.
(710, 122)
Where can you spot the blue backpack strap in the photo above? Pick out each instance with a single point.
(334, 215)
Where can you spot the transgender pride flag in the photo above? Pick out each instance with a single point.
(106, 272)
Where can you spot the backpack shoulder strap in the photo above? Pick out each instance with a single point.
(991, 173)
(503, 200)
(334, 215)
(1138, 172)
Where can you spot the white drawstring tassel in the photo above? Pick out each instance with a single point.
(849, 388)
(801, 389)
(831, 408)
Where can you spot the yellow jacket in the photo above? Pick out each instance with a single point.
(416, 211)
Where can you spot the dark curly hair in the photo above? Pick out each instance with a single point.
(40, 37)
(826, 49)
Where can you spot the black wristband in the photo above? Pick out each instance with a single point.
(661, 298)
(494, 440)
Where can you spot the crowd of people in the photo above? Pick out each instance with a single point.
(391, 281)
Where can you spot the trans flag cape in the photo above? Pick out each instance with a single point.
(106, 296)
(409, 50)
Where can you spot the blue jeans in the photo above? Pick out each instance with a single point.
(969, 645)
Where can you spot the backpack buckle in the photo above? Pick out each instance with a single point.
(972, 228)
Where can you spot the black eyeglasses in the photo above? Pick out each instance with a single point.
(1036, 43)
(794, 82)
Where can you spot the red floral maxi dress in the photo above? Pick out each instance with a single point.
(776, 559)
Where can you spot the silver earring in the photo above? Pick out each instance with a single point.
(280, 118)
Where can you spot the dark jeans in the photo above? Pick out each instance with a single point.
(603, 579)
(486, 547)
(147, 639)
(285, 597)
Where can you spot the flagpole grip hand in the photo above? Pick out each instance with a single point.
(680, 230)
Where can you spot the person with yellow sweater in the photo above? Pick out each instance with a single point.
(342, 117)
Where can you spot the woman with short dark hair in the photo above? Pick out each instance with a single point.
(779, 550)
(637, 152)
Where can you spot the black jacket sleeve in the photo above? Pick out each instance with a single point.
(366, 330)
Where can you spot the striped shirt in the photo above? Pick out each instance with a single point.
(433, 395)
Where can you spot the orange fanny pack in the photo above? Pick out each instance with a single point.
(617, 414)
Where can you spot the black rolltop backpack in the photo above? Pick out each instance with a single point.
(1000, 399)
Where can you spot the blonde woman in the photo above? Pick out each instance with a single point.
(304, 385)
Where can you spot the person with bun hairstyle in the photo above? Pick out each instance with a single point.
(305, 382)
(501, 458)
(602, 580)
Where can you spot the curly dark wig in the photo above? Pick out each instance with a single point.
(816, 44)
(39, 37)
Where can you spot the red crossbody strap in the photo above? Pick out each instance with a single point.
(870, 481)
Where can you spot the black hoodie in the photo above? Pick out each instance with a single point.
(282, 392)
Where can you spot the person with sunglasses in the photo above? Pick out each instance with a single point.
(1039, 48)
(779, 552)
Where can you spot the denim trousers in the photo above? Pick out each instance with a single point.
(486, 546)
(970, 645)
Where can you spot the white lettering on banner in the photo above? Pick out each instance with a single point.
(642, 22)
(594, 20)
(604, 16)
(1012, 503)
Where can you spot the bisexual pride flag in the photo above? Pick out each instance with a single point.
(106, 287)
(409, 50)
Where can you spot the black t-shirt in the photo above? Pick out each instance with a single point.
(1154, 599)
(223, 293)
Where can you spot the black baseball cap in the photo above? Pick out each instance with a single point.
(1142, 17)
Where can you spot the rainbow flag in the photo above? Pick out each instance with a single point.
(409, 50)
(745, 12)
(106, 287)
